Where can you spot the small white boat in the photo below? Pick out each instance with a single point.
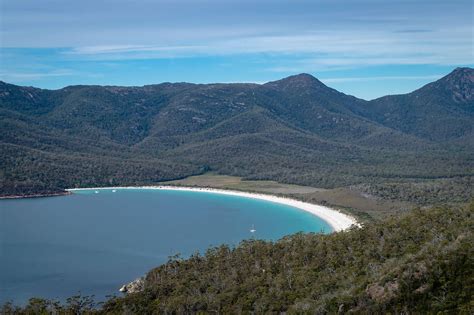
(114, 190)
(96, 191)
(253, 230)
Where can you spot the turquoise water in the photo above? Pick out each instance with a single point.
(93, 243)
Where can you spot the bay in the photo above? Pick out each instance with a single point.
(92, 243)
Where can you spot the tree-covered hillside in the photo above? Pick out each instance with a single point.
(295, 130)
(440, 111)
(419, 263)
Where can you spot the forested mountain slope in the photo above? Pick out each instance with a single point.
(295, 130)
(442, 111)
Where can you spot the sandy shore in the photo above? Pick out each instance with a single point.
(336, 219)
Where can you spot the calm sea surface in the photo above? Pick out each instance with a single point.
(93, 243)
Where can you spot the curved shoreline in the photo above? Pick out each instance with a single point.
(336, 219)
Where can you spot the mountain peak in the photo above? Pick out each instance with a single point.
(295, 82)
(460, 83)
(302, 77)
(461, 74)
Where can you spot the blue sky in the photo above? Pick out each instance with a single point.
(367, 48)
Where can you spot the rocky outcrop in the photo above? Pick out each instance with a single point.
(135, 286)
(382, 293)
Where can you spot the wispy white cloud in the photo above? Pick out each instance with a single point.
(320, 33)
(313, 50)
(128, 49)
(32, 76)
(381, 78)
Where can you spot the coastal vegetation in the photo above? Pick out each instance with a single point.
(419, 262)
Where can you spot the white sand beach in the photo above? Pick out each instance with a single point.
(336, 219)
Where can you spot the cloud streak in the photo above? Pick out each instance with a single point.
(33, 76)
(322, 33)
(316, 50)
(381, 78)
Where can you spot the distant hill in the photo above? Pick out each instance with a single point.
(295, 130)
(441, 111)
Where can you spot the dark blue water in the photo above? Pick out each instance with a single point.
(93, 243)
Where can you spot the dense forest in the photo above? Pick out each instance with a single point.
(421, 262)
(416, 147)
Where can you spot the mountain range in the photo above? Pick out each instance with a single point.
(294, 130)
